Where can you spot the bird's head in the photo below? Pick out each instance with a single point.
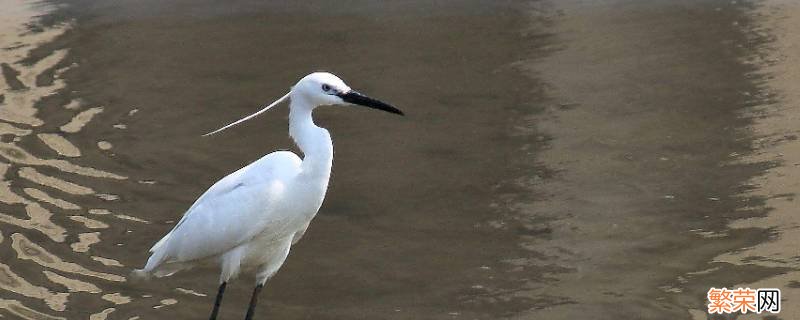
(322, 89)
(325, 89)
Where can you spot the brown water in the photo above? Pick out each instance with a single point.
(559, 160)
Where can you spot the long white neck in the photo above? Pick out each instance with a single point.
(315, 142)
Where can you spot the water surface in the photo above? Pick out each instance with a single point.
(559, 159)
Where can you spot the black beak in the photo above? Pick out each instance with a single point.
(355, 97)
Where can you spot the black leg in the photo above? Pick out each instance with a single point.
(251, 310)
(218, 301)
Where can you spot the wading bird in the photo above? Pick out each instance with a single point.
(249, 220)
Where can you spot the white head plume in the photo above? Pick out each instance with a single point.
(286, 96)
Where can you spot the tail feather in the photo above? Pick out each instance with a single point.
(160, 243)
(151, 268)
(155, 260)
(159, 265)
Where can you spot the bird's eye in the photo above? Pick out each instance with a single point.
(326, 87)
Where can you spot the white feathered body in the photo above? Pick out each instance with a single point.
(248, 220)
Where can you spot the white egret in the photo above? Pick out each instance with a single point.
(249, 220)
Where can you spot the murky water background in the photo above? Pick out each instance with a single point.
(559, 160)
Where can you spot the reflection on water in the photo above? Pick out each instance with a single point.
(80, 120)
(72, 285)
(102, 314)
(16, 155)
(38, 193)
(775, 127)
(19, 310)
(59, 144)
(12, 282)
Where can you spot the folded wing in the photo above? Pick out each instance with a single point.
(231, 212)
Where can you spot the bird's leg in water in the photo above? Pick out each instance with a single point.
(218, 301)
(251, 310)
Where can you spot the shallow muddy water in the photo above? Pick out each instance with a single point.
(558, 160)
